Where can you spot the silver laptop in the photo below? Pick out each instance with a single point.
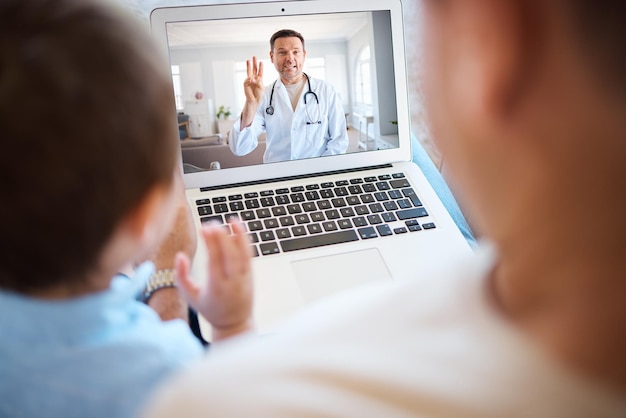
(320, 224)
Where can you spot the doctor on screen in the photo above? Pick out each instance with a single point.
(302, 117)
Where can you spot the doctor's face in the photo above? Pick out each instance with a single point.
(288, 59)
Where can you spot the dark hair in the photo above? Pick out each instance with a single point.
(87, 127)
(602, 35)
(285, 33)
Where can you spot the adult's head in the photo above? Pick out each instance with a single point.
(527, 100)
(287, 53)
(87, 131)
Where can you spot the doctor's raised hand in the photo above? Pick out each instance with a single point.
(254, 89)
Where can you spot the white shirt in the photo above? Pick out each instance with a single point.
(428, 347)
(295, 134)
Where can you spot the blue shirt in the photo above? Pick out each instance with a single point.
(97, 355)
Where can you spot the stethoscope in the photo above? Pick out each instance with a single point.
(270, 109)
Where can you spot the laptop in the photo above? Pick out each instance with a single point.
(321, 224)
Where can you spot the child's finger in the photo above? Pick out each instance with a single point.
(242, 245)
(211, 235)
(186, 286)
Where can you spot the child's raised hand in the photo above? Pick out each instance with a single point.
(226, 299)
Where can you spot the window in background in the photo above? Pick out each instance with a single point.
(178, 91)
(363, 80)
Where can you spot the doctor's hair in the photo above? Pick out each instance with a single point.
(286, 33)
(87, 129)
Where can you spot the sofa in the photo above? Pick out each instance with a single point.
(201, 152)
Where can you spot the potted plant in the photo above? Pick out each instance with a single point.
(223, 123)
(223, 112)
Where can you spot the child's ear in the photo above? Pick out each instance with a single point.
(141, 223)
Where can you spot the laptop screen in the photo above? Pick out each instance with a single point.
(349, 65)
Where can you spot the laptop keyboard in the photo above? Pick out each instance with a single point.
(318, 214)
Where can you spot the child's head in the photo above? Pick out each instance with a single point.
(87, 129)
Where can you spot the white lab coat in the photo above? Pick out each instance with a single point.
(289, 137)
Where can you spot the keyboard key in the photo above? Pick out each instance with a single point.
(255, 251)
(282, 191)
(355, 189)
(267, 236)
(231, 217)
(356, 181)
(314, 228)
(283, 233)
(384, 230)
(338, 202)
(326, 193)
(297, 231)
(302, 219)
(269, 248)
(205, 210)
(362, 210)
(404, 203)
(327, 185)
(329, 226)
(253, 237)
(296, 189)
(370, 179)
(345, 224)
(353, 200)
(411, 213)
(279, 211)
(399, 184)
(267, 201)
(400, 230)
(369, 188)
(247, 215)
(341, 191)
(252, 204)
(202, 202)
(317, 217)
(367, 198)
(411, 222)
(313, 187)
(251, 195)
(293, 209)
(414, 228)
(389, 217)
(309, 206)
(383, 185)
(314, 195)
(220, 199)
(267, 193)
(286, 221)
(398, 175)
(236, 206)
(220, 208)
(367, 233)
(395, 194)
(381, 196)
(235, 197)
(376, 208)
(318, 240)
(214, 218)
(347, 212)
(341, 183)
(263, 213)
(255, 226)
(390, 206)
(359, 221)
(384, 177)
(297, 197)
(282, 200)
(374, 219)
(332, 214)
(324, 204)
(271, 223)
(429, 225)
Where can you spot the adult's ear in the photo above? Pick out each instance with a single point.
(494, 54)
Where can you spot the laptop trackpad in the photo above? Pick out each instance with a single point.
(318, 277)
